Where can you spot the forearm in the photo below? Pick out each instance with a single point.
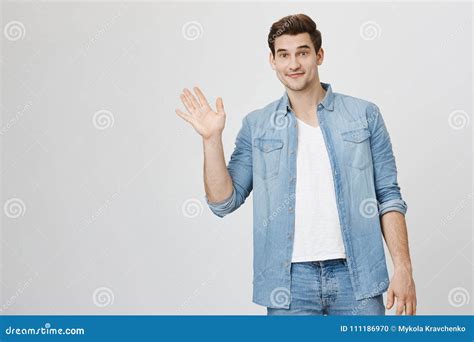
(217, 180)
(394, 230)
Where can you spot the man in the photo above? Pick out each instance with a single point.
(324, 183)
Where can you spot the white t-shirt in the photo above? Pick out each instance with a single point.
(318, 233)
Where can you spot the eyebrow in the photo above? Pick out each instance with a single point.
(299, 47)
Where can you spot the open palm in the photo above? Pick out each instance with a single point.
(206, 122)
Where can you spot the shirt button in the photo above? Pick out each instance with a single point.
(290, 209)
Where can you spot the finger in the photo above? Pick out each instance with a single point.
(400, 306)
(191, 98)
(220, 105)
(409, 308)
(390, 299)
(184, 116)
(202, 99)
(413, 306)
(189, 106)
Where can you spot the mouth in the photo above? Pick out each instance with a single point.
(296, 75)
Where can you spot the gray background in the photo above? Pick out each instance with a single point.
(105, 213)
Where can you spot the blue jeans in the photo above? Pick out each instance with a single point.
(324, 288)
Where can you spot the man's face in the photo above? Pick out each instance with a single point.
(295, 61)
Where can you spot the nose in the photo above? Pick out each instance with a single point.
(294, 64)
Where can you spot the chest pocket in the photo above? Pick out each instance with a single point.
(267, 157)
(357, 148)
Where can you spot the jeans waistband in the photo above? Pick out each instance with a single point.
(322, 263)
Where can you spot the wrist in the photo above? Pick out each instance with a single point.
(403, 266)
(212, 139)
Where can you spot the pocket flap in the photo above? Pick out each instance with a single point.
(356, 135)
(268, 145)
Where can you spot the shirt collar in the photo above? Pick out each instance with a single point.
(327, 102)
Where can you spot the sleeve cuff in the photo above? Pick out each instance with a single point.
(223, 207)
(393, 205)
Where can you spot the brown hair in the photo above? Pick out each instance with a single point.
(293, 25)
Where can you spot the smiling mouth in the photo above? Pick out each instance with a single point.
(296, 75)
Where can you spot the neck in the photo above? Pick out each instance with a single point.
(304, 102)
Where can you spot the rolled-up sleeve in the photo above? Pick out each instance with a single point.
(240, 171)
(387, 190)
(222, 208)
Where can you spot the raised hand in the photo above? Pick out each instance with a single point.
(206, 122)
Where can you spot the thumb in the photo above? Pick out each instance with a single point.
(220, 105)
(390, 298)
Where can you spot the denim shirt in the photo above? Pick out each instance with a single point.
(365, 183)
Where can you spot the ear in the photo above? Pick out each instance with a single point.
(271, 60)
(320, 56)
